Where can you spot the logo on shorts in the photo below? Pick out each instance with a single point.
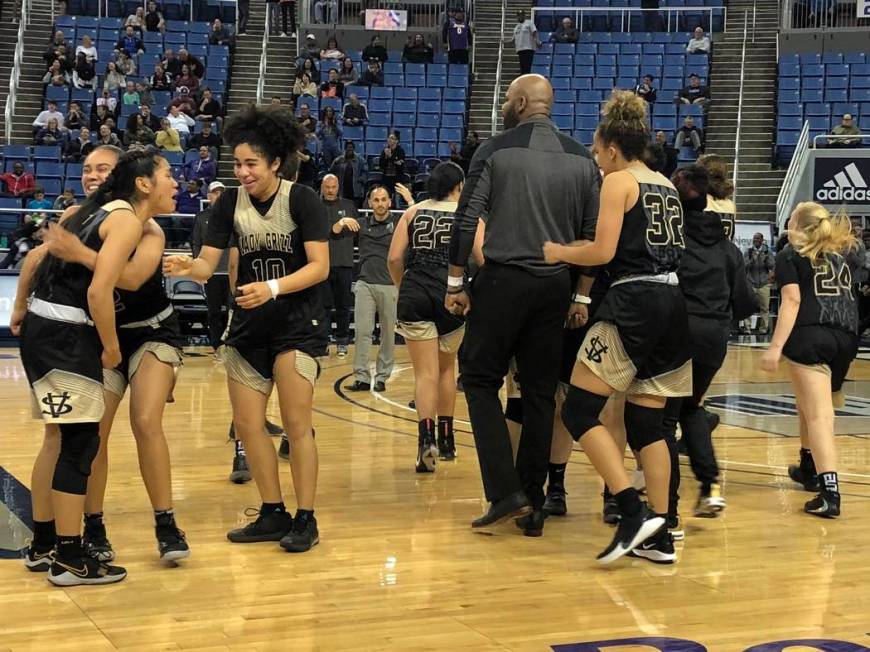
(57, 404)
(596, 350)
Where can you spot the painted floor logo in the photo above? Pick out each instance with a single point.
(847, 185)
(776, 405)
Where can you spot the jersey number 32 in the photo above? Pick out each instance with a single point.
(665, 214)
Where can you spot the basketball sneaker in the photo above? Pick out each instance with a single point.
(272, 526)
(274, 429)
(630, 533)
(341, 350)
(610, 514)
(427, 453)
(675, 527)
(826, 505)
(710, 501)
(303, 536)
(240, 473)
(36, 560)
(658, 548)
(555, 503)
(284, 448)
(446, 447)
(95, 543)
(804, 473)
(170, 540)
(83, 570)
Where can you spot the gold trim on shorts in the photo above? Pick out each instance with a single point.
(451, 342)
(420, 331)
(512, 381)
(819, 366)
(241, 371)
(114, 381)
(66, 397)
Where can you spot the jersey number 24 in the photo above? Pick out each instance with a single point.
(831, 283)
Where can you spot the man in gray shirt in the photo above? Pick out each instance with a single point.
(529, 184)
(344, 223)
(375, 292)
(759, 270)
(525, 41)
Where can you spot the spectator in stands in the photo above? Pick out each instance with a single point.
(107, 137)
(310, 51)
(137, 133)
(392, 163)
(203, 169)
(565, 32)
(110, 123)
(689, 133)
(525, 41)
(209, 109)
(219, 34)
(186, 80)
(310, 68)
(84, 74)
(18, 183)
(51, 52)
(154, 19)
(113, 79)
(56, 76)
(288, 13)
(332, 87)
(50, 134)
(75, 119)
(646, 90)
(87, 47)
(145, 97)
(375, 50)
(180, 120)
(348, 73)
(469, 147)
(418, 51)
(457, 35)
(130, 96)
(50, 113)
(373, 75)
(351, 172)
(171, 64)
(845, 128)
(149, 118)
(326, 11)
(189, 201)
(38, 203)
(694, 93)
(23, 239)
(101, 113)
(665, 154)
(125, 63)
(759, 271)
(206, 138)
(354, 113)
(167, 138)
(329, 136)
(307, 121)
(130, 42)
(304, 86)
(332, 50)
(307, 167)
(136, 20)
(244, 10)
(183, 101)
(160, 80)
(196, 67)
(699, 43)
(65, 200)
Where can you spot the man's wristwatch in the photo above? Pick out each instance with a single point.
(579, 298)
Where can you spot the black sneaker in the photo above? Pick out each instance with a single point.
(630, 533)
(658, 549)
(95, 544)
(84, 570)
(274, 429)
(380, 386)
(555, 503)
(284, 448)
(170, 540)
(38, 561)
(810, 482)
(268, 527)
(532, 524)
(427, 454)
(610, 513)
(446, 447)
(712, 419)
(826, 505)
(240, 473)
(358, 386)
(675, 527)
(303, 537)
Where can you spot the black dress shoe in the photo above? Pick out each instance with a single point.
(512, 506)
(358, 386)
(532, 524)
(380, 386)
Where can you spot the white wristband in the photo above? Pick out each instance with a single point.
(581, 299)
(455, 281)
(273, 287)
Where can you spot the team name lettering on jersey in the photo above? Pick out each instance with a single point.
(251, 242)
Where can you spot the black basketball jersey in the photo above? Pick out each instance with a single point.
(651, 241)
(429, 239)
(149, 300)
(825, 285)
(726, 211)
(68, 283)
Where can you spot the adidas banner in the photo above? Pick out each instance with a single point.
(841, 180)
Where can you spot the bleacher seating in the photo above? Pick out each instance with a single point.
(819, 89)
(630, 21)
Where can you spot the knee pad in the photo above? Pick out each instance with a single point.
(581, 410)
(643, 425)
(514, 410)
(79, 443)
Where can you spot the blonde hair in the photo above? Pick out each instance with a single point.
(625, 124)
(821, 233)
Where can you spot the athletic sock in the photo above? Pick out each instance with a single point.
(69, 547)
(240, 447)
(830, 483)
(426, 429)
(44, 534)
(164, 514)
(268, 508)
(445, 426)
(557, 475)
(304, 514)
(629, 501)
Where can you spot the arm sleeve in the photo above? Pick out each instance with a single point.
(473, 204)
(309, 213)
(786, 269)
(220, 226)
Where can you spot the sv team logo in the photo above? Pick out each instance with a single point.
(57, 404)
(848, 185)
(596, 350)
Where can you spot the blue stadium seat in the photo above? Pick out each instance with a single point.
(789, 70)
(561, 71)
(836, 95)
(458, 94)
(379, 119)
(51, 187)
(46, 153)
(404, 120)
(817, 109)
(376, 133)
(429, 120)
(789, 122)
(812, 83)
(789, 84)
(454, 121)
(564, 122)
(49, 170)
(425, 149)
(405, 94)
(380, 105)
(426, 134)
(355, 134)
(811, 95)
(808, 58)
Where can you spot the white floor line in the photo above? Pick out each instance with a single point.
(398, 370)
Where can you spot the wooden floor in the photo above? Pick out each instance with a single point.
(398, 566)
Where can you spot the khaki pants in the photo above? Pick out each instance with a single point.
(371, 299)
(763, 296)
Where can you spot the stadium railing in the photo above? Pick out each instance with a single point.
(740, 105)
(496, 91)
(16, 70)
(823, 15)
(677, 19)
(792, 176)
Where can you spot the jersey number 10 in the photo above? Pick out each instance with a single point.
(665, 215)
(829, 283)
(268, 269)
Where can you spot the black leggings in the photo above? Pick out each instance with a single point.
(288, 9)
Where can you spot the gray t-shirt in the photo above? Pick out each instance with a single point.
(374, 245)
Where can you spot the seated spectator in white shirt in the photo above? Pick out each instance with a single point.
(699, 43)
(88, 48)
(44, 116)
(179, 121)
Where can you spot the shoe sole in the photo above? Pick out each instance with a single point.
(240, 477)
(429, 459)
(291, 548)
(69, 579)
(175, 555)
(37, 566)
(517, 513)
(647, 529)
(561, 511)
(653, 555)
(260, 539)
